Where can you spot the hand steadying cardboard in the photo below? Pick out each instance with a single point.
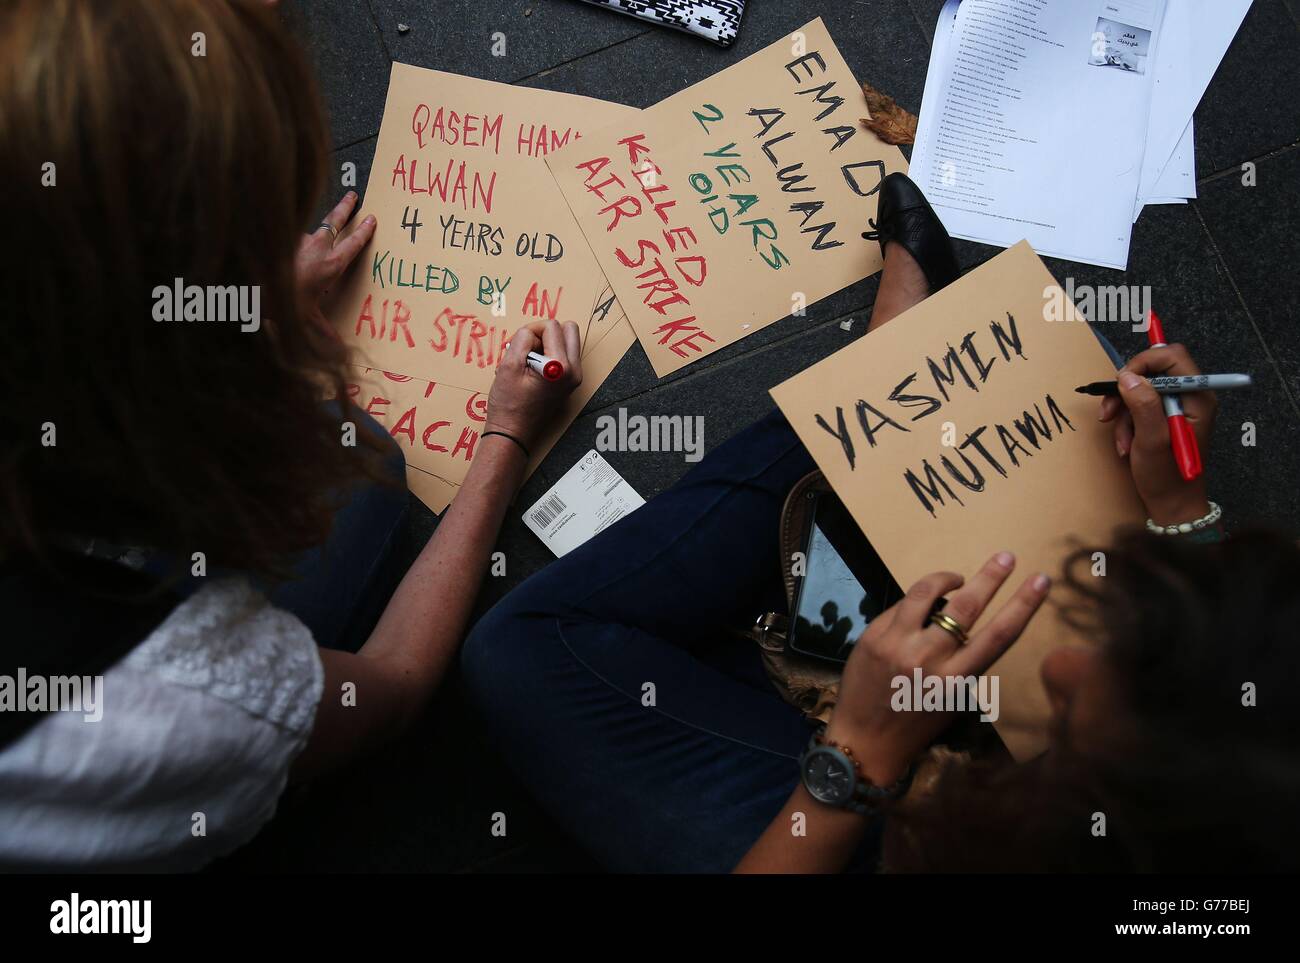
(954, 431)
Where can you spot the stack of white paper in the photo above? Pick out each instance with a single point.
(1056, 121)
(1197, 35)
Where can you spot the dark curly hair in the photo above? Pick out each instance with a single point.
(167, 163)
(1191, 779)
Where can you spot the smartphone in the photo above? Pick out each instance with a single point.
(845, 585)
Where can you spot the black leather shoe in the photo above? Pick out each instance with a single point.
(905, 216)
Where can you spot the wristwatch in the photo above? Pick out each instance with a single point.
(833, 777)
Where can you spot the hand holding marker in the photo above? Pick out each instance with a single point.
(548, 368)
(1181, 436)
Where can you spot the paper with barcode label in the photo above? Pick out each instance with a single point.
(589, 498)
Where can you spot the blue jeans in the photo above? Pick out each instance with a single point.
(613, 685)
(616, 690)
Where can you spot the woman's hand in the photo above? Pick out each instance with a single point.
(522, 402)
(902, 639)
(321, 260)
(1142, 434)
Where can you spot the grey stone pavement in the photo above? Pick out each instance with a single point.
(1225, 272)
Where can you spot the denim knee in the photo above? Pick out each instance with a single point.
(515, 639)
(492, 660)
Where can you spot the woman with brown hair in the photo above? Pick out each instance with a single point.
(179, 147)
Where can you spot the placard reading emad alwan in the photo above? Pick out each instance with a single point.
(736, 202)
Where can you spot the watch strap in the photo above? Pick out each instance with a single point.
(868, 798)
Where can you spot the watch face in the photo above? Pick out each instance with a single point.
(829, 776)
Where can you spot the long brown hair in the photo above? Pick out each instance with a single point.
(144, 142)
(1200, 771)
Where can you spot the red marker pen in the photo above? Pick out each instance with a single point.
(1181, 436)
(548, 368)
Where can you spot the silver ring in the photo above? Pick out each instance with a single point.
(334, 231)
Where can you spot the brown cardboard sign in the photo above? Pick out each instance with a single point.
(735, 203)
(437, 426)
(473, 238)
(954, 432)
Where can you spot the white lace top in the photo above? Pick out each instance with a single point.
(200, 723)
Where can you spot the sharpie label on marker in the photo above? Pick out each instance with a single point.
(1190, 381)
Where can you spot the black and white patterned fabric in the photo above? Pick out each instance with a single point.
(716, 20)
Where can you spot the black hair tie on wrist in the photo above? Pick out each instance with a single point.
(522, 447)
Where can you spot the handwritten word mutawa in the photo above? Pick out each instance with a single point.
(926, 391)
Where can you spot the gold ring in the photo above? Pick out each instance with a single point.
(334, 231)
(951, 626)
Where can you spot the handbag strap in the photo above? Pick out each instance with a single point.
(770, 628)
(810, 687)
(76, 620)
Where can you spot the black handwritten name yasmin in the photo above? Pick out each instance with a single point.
(965, 364)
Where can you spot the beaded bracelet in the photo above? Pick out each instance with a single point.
(1187, 528)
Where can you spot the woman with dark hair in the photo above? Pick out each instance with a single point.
(617, 682)
(167, 147)
(1178, 728)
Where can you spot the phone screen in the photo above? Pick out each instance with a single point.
(844, 587)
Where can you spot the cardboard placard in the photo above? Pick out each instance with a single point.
(954, 432)
(473, 240)
(437, 426)
(736, 202)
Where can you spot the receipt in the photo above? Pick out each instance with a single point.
(589, 498)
